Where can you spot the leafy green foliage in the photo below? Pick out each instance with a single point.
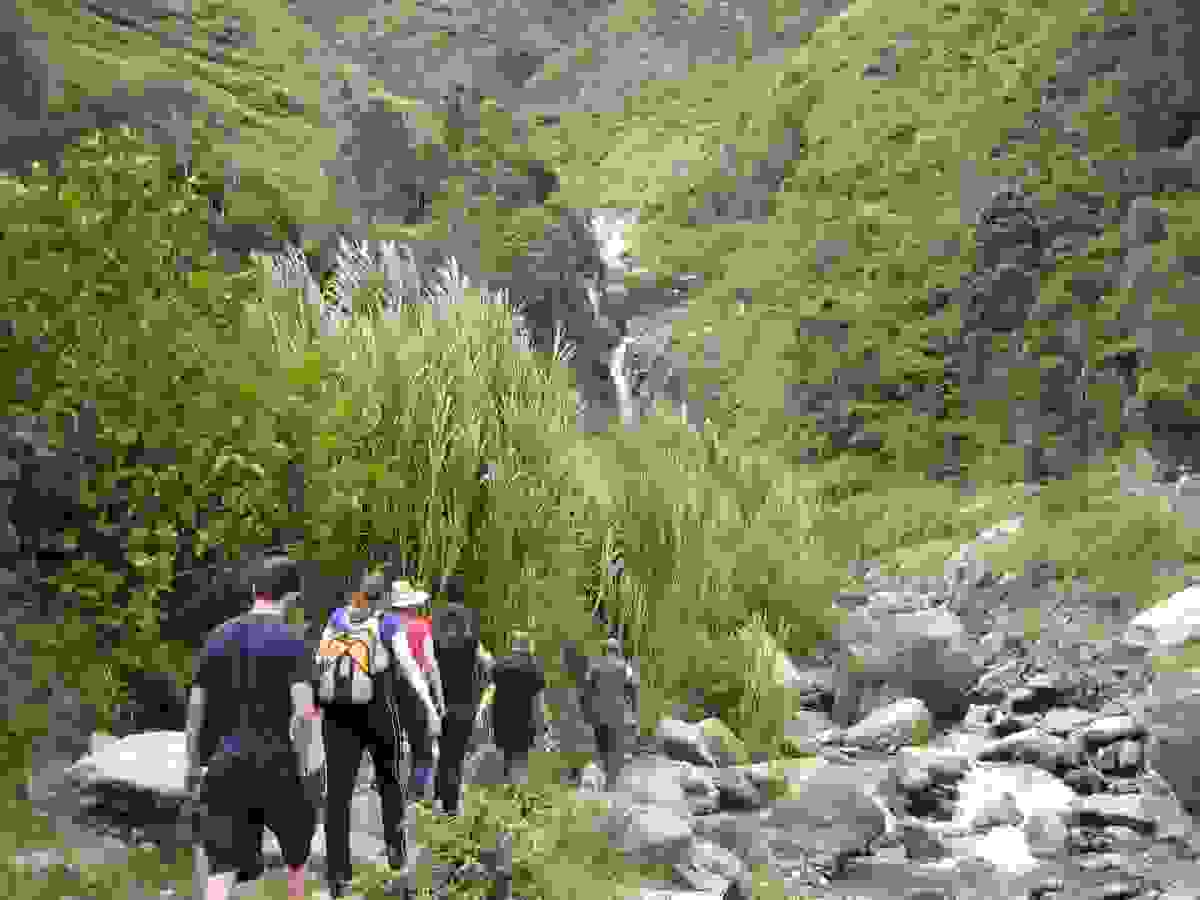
(879, 168)
(725, 537)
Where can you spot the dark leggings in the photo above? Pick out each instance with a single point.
(348, 731)
(456, 736)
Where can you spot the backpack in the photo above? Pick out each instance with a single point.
(349, 660)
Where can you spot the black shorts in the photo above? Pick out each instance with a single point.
(240, 796)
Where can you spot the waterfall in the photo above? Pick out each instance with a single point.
(620, 375)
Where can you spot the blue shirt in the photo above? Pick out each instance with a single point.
(247, 668)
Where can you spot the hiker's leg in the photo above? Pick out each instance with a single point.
(616, 760)
(290, 814)
(519, 767)
(219, 886)
(456, 733)
(296, 878)
(389, 780)
(230, 824)
(421, 759)
(342, 728)
(604, 748)
(257, 826)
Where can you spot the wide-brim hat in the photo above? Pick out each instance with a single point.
(405, 596)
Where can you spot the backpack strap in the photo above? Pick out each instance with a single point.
(388, 626)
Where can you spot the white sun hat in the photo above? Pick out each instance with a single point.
(405, 596)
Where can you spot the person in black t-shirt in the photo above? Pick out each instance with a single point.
(612, 687)
(465, 668)
(251, 723)
(518, 708)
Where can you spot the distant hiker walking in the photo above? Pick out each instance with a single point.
(574, 725)
(466, 668)
(252, 725)
(519, 707)
(612, 701)
(368, 682)
(408, 605)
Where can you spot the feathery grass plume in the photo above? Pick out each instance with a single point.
(373, 278)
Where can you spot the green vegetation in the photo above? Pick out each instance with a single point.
(727, 539)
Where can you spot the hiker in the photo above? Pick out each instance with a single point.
(466, 669)
(251, 738)
(408, 605)
(575, 732)
(612, 701)
(519, 707)
(367, 678)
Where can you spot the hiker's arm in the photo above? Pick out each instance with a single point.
(195, 721)
(197, 702)
(406, 665)
(306, 728)
(632, 685)
(540, 705)
(435, 676)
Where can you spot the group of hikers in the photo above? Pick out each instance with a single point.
(277, 728)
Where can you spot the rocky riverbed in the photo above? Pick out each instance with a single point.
(962, 754)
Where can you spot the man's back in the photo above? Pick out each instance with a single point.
(609, 680)
(518, 679)
(247, 668)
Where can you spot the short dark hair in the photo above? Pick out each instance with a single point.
(373, 584)
(450, 587)
(276, 576)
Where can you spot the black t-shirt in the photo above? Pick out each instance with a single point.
(458, 666)
(518, 679)
(254, 716)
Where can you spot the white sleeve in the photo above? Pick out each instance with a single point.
(406, 663)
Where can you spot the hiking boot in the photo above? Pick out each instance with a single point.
(338, 888)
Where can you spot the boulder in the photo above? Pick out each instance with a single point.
(153, 761)
(923, 654)
(683, 740)
(830, 816)
(1168, 626)
(1172, 714)
(900, 724)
